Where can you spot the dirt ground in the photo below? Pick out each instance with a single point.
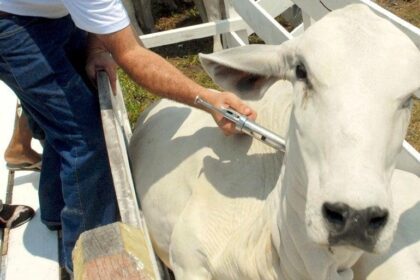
(184, 56)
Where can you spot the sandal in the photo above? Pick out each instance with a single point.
(26, 166)
(12, 216)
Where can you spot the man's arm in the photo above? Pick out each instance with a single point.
(160, 77)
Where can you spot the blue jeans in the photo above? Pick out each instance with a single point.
(41, 60)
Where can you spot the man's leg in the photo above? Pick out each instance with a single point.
(34, 63)
(19, 154)
(37, 132)
(50, 196)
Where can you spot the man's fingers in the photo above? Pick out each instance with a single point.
(91, 73)
(238, 105)
(229, 100)
(227, 127)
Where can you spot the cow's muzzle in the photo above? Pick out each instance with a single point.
(358, 228)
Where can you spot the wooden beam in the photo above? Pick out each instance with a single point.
(115, 251)
(101, 265)
(117, 152)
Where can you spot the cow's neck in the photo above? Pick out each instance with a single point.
(299, 257)
(250, 254)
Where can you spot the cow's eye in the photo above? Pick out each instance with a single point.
(301, 72)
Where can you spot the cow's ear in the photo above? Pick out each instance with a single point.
(247, 71)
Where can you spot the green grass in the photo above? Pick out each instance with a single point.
(136, 98)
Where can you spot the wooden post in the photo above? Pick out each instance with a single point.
(117, 251)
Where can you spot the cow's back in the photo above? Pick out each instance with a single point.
(193, 179)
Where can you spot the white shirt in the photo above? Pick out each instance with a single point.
(95, 16)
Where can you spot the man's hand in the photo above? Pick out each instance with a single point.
(229, 100)
(98, 58)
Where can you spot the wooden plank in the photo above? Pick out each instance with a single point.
(121, 115)
(120, 168)
(124, 256)
(127, 202)
(261, 22)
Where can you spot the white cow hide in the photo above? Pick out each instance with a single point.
(233, 208)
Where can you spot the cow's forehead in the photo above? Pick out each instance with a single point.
(354, 42)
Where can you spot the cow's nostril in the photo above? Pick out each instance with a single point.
(378, 218)
(335, 214)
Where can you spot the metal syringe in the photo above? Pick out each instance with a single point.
(243, 124)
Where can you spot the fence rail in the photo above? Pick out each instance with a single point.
(257, 16)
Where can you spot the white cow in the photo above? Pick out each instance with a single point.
(231, 208)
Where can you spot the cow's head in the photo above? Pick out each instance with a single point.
(354, 75)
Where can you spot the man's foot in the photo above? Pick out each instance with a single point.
(21, 159)
(12, 216)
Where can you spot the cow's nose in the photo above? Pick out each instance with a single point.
(348, 226)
